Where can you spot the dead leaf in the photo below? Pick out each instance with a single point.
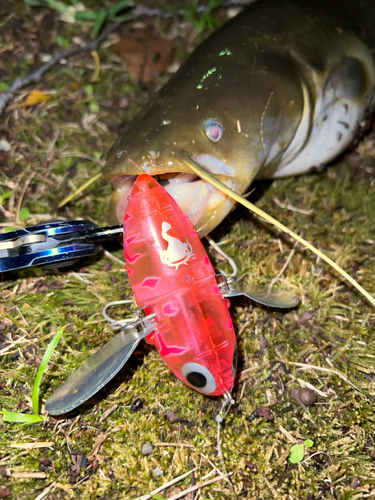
(99, 441)
(77, 85)
(6, 492)
(146, 55)
(265, 412)
(96, 75)
(270, 398)
(35, 97)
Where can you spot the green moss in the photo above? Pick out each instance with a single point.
(333, 327)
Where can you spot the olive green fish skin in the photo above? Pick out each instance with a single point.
(287, 80)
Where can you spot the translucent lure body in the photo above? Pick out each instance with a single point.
(172, 276)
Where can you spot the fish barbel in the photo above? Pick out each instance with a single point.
(277, 90)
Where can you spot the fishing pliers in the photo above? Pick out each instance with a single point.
(53, 244)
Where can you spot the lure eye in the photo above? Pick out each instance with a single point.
(199, 377)
(214, 130)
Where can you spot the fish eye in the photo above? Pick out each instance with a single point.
(214, 130)
(199, 377)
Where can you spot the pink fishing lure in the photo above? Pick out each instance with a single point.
(172, 276)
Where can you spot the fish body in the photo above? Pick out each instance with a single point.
(278, 90)
(172, 277)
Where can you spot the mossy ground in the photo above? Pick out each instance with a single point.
(333, 328)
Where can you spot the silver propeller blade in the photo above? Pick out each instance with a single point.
(280, 299)
(96, 371)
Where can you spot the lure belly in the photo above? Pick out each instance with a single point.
(172, 277)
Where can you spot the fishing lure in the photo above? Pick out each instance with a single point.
(185, 304)
(172, 277)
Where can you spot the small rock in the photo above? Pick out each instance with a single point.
(172, 417)
(137, 405)
(4, 145)
(157, 472)
(251, 466)
(327, 463)
(94, 466)
(307, 396)
(46, 462)
(67, 303)
(355, 483)
(253, 416)
(238, 410)
(4, 472)
(147, 449)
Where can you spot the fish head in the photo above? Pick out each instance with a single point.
(216, 111)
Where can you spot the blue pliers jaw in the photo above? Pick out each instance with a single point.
(52, 244)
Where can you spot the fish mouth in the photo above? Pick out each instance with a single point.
(198, 199)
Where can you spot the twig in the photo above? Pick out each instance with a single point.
(270, 286)
(288, 435)
(68, 154)
(79, 190)
(223, 254)
(212, 465)
(177, 445)
(36, 76)
(292, 208)
(27, 475)
(303, 383)
(82, 481)
(166, 485)
(199, 486)
(32, 175)
(32, 446)
(46, 492)
(108, 412)
(304, 366)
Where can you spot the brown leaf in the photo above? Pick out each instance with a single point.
(146, 55)
(99, 441)
(265, 412)
(6, 492)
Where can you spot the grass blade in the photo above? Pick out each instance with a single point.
(25, 418)
(79, 190)
(43, 365)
